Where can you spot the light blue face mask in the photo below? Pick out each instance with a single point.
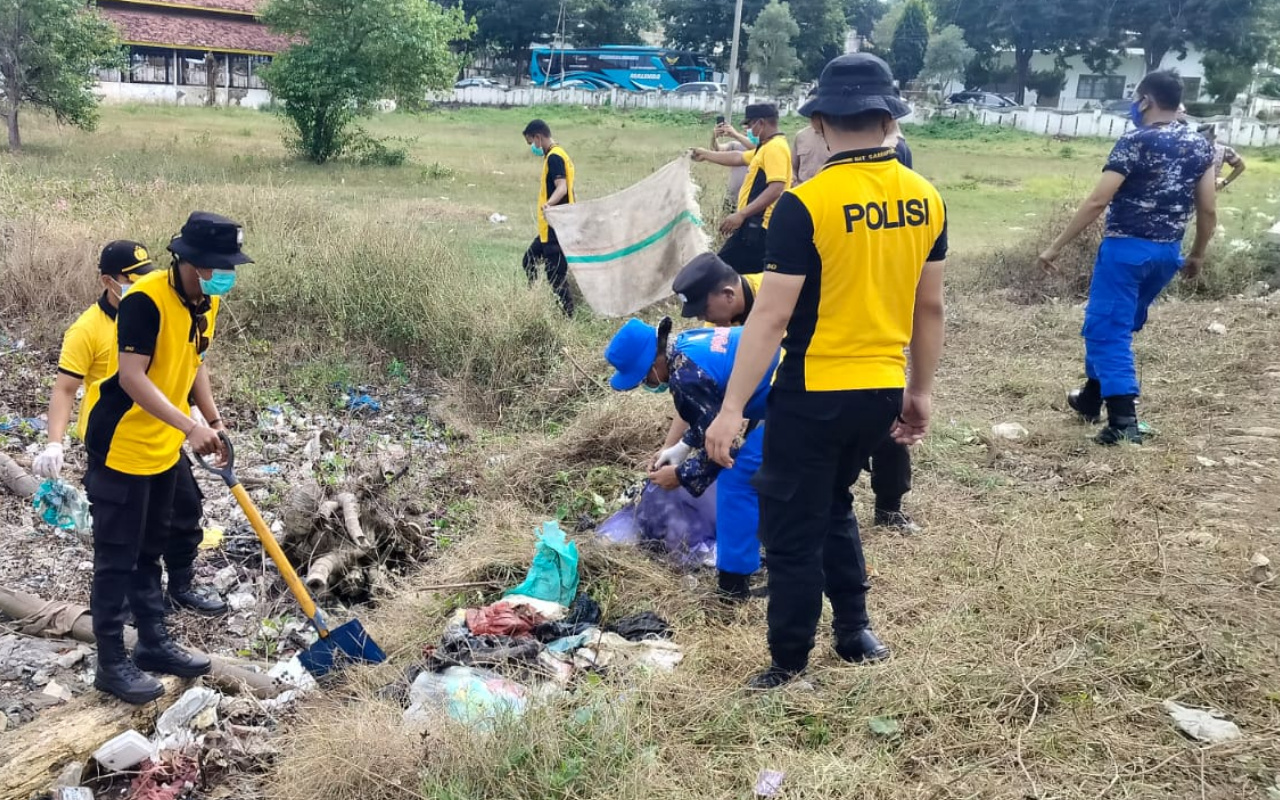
(123, 287)
(220, 283)
(537, 151)
(754, 139)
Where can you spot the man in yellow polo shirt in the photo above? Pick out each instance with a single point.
(88, 356)
(555, 188)
(139, 420)
(853, 275)
(768, 176)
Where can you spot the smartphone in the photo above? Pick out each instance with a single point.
(720, 119)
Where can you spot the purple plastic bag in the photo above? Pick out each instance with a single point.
(674, 523)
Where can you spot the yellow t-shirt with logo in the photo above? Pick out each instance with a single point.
(860, 232)
(89, 350)
(769, 163)
(555, 165)
(155, 321)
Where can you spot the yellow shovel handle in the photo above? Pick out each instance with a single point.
(272, 547)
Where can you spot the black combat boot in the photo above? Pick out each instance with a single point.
(119, 677)
(182, 594)
(1122, 421)
(157, 652)
(733, 588)
(861, 647)
(1087, 401)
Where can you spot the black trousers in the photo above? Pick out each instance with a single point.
(132, 515)
(744, 249)
(185, 531)
(557, 268)
(815, 444)
(890, 474)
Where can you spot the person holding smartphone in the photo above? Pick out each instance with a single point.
(737, 144)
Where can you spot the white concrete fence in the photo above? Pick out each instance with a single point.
(1236, 131)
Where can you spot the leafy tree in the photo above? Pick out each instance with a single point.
(770, 51)
(351, 54)
(1225, 76)
(862, 15)
(822, 29)
(1236, 28)
(596, 22)
(49, 50)
(703, 26)
(508, 27)
(948, 56)
(910, 42)
(882, 31)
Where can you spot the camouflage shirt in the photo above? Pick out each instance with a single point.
(1161, 166)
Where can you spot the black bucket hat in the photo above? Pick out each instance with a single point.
(854, 84)
(210, 241)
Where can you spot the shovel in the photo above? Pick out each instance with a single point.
(347, 642)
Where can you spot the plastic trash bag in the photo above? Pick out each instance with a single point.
(639, 627)
(554, 573)
(63, 506)
(474, 697)
(621, 528)
(682, 525)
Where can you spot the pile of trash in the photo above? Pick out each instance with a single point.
(493, 662)
(674, 525)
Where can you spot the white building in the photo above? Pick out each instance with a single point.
(1087, 89)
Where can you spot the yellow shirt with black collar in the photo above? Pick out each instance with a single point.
(750, 291)
(860, 233)
(555, 165)
(769, 163)
(89, 350)
(153, 320)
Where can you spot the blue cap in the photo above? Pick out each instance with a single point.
(631, 352)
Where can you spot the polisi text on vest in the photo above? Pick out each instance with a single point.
(883, 216)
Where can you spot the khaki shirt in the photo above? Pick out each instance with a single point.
(810, 154)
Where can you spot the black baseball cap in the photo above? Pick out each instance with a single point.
(854, 84)
(125, 257)
(757, 111)
(698, 279)
(210, 241)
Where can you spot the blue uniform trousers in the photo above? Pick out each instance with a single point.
(738, 510)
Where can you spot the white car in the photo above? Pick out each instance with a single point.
(700, 87)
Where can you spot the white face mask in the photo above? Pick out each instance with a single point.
(123, 287)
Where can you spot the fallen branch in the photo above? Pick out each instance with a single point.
(329, 565)
(16, 479)
(351, 518)
(38, 617)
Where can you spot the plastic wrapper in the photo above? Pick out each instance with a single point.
(63, 506)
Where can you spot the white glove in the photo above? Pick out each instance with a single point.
(675, 455)
(49, 463)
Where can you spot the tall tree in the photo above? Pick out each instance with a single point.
(770, 51)
(947, 56)
(1225, 76)
(910, 42)
(882, 31)
(49, 50)
(508, 27)
(703, 26)
(352, 53)
(592, 23)
(822, 29)
(862, 15)
(1234, 28)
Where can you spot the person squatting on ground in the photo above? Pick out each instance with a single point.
(555, 188)
(1156, 177)
(768, 176)
(89, 355)
(713, 293)
(1222, 155)
(138, 420)
(696, 368)
(853, 276)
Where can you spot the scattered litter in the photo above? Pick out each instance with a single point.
(73, 793)
(570, 643)
(611, 650)
(70, 777)
(460, 648)
(503, 619)
(358, 403)
(675, 523)
(639, 627)
(189, 713)
(293, 673)
(1217, 328)
(125, 751)
(1260, 568)
(212, 538)
(769, 783)
(1206, 726)
(497, 219)
(241, 601)
(884, 727)
(554, 573)
(225, 579)
(171, 775)
(57, 691)
(473, 697)
(549, 611)
(1010, 431)
(17, 423)
(63, 506)
(1207, 463)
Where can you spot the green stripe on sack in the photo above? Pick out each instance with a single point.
(638, 246)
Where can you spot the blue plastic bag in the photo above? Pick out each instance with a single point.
(62, 506)
(553, 576)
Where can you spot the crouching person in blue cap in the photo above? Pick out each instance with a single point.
(696, 367)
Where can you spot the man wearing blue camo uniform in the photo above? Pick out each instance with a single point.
(1157, 176)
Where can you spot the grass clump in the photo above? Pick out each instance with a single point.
(1014, 270)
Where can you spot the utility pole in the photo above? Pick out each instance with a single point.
(733, 61)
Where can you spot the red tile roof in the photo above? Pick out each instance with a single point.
(241, 6)
(168, 28)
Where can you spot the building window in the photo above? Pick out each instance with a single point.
(1190, 89)
(193, 70)
(1100, 87)
(244, 71)
(147, 65)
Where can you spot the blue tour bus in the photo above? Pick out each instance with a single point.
(635, 68)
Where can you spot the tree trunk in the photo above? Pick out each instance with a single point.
(1023, 65)
(15, 138)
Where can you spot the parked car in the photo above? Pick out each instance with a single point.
(982, 100)
(480, 83)
(575, 83)
(700, 87)
(1118, 107)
